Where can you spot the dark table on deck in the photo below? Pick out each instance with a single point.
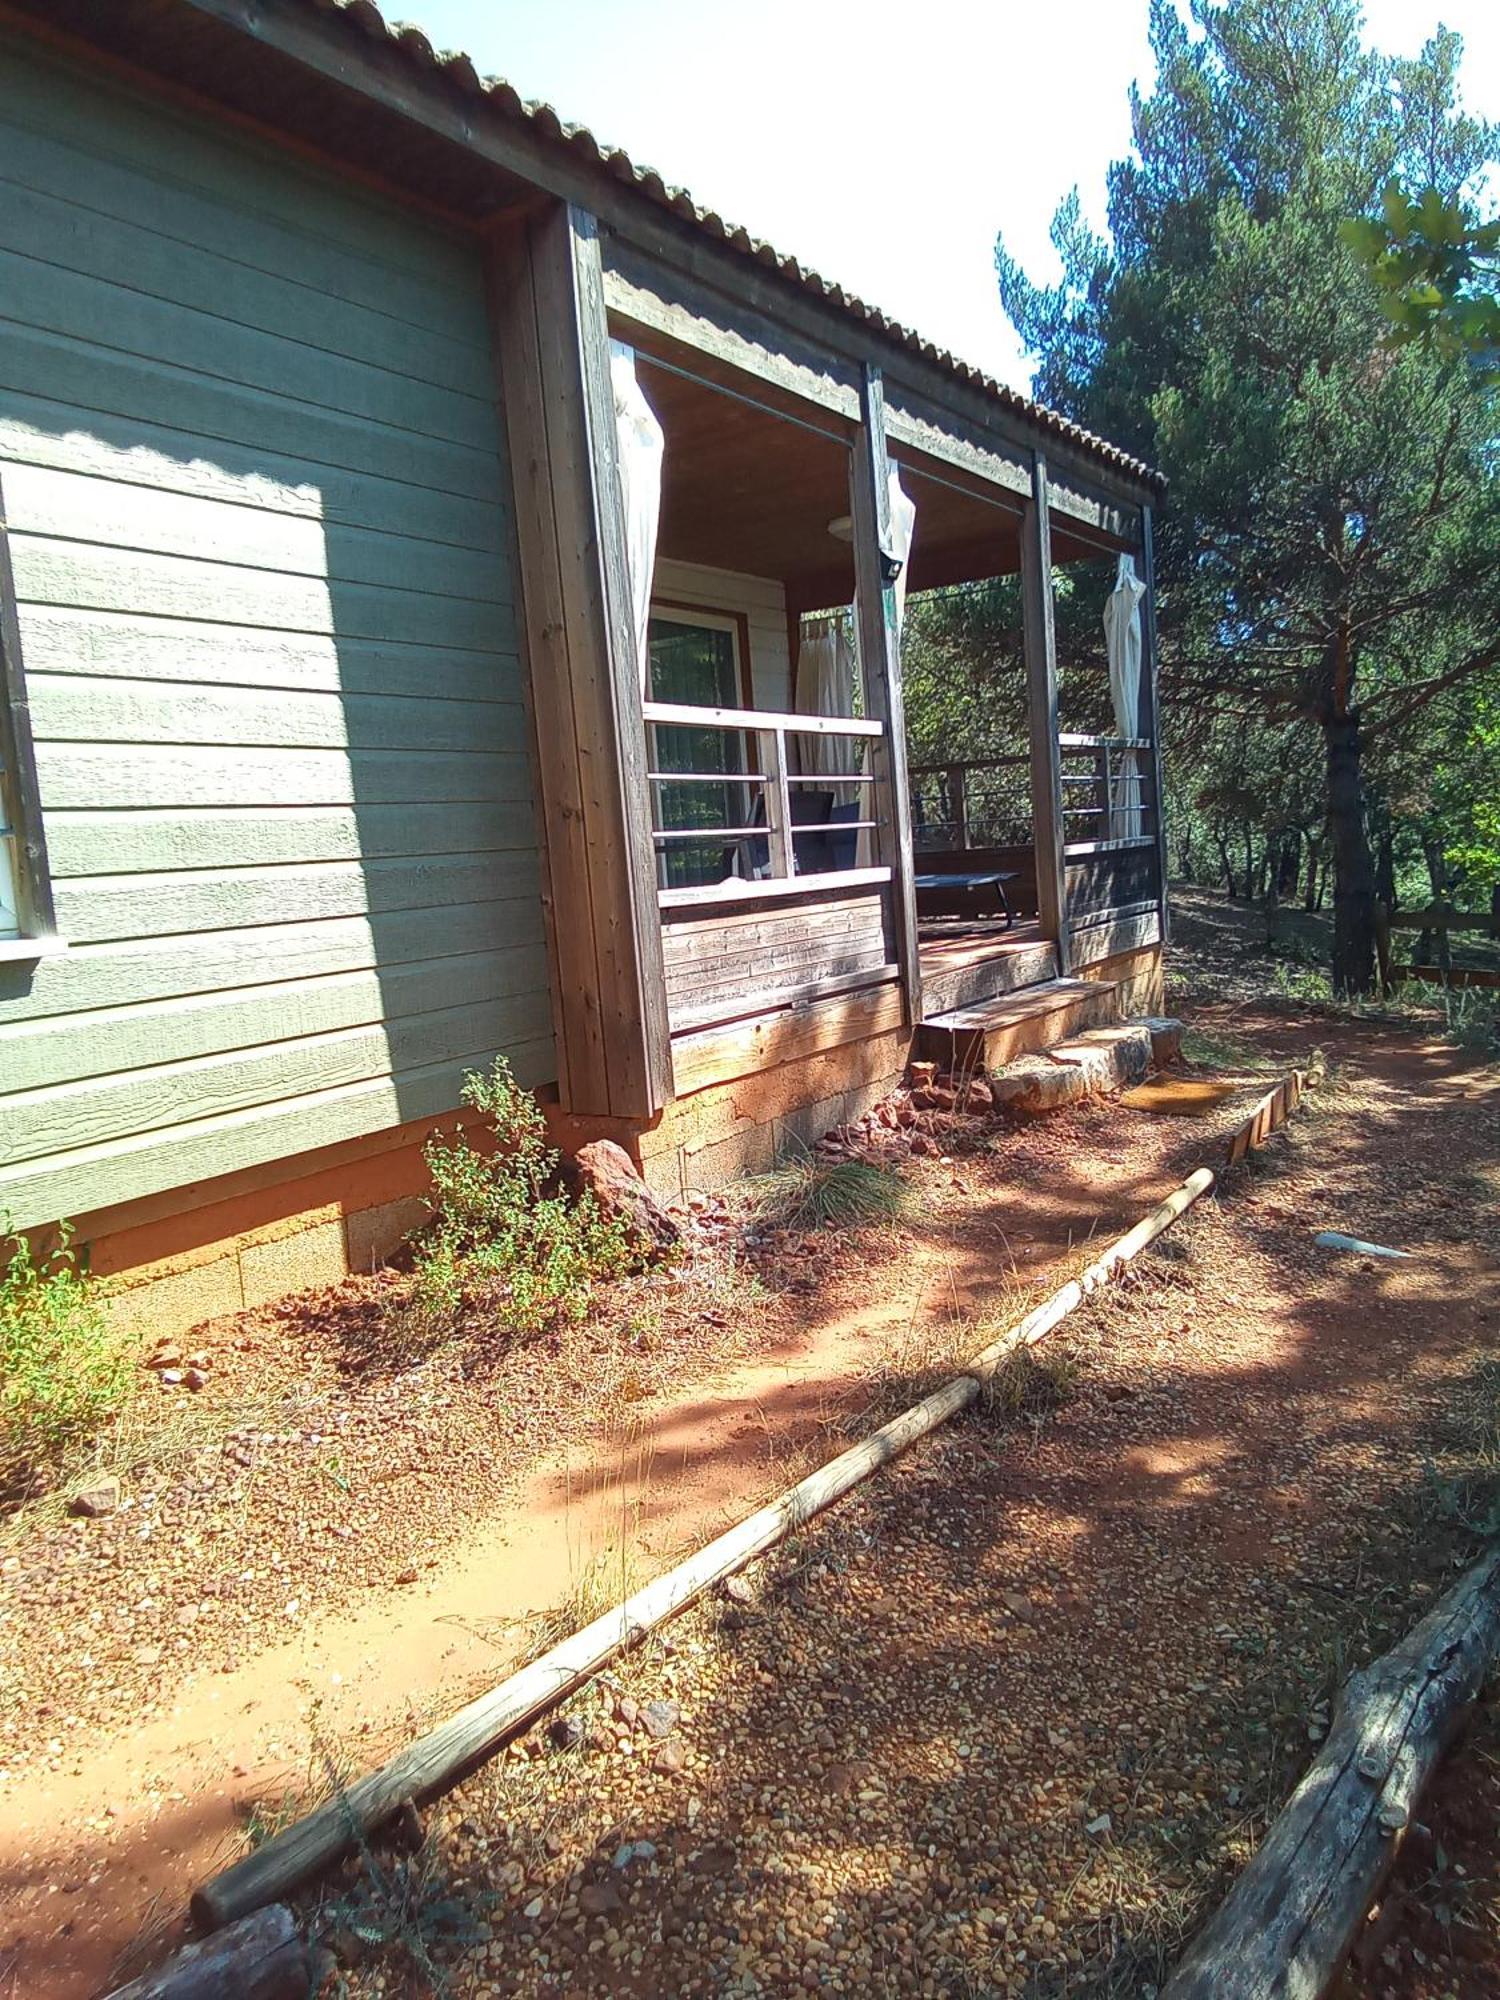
(974, 883)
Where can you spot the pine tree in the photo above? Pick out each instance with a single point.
(1330, 556)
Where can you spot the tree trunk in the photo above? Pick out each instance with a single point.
(1291, 864)
(1314, 860)
(1385, 867)
(1437, 874)
(1249, 866)
(1353, 864)
(1228, 865)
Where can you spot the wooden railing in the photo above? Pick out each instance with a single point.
(978, 802)
(767, 839)
(1092, 767)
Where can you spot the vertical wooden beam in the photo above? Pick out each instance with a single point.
(609, 1000)
(1150, 710)
(1041, 687)
(880, 664)
(20, 799)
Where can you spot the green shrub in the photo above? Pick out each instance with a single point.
(501, 1221)
(64, 1370)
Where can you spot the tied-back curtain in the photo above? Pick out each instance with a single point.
(1122, 641)
(903, 528)
(639, 449)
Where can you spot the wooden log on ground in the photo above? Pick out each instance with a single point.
(1043, 1318)
(259, 1958)
(1287, 1925)
(1269, 1114)
(441, 1757)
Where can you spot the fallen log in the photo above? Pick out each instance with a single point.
(259, 1958)
(1286, 1927)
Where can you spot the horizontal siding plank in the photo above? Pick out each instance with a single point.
(293, 215)
(89, 578)
(71, 709)
(95, 1110)
(123, 843)
(71, 302)
(35, 430)
(87, 774)
(138, 970)
(79, 372)
(98, 1176)
(34, 1055)
(260, 526)
(97, 909)
(66, 639)
(80, 507)
(59, 222)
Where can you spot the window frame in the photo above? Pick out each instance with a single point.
(20, 796)
(674, 611)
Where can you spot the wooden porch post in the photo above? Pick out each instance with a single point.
(1041, 685)
(880, 659)
(1150, 714)
(599, 872)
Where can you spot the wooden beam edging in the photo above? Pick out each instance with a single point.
(1269, 1115)
(447, 1752)
(1286, 1927)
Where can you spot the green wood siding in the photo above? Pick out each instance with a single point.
(259, 520)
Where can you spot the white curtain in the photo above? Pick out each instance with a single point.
(1122, 640)
(825, 673)
(825, 686)
(903, 527)
(639, 447)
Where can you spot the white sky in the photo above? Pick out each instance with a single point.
(990, 111)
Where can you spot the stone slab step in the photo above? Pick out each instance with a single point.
(1090, 1065)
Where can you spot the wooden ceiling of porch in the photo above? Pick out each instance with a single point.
(746, 489)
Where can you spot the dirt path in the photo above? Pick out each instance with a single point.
(1005, 1721)
(171, 1668)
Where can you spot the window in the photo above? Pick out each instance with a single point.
(25, 893)
(696, 657)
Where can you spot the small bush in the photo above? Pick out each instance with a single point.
(501, 1221)
(1029, 1383)
(64, 1371)
(813, 1193)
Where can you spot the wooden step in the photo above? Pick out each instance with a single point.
(1016, 1024)
(953, 978)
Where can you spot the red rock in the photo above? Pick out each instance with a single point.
(607, 1172)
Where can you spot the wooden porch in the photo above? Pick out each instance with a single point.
(733, 882)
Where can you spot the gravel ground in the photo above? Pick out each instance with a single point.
(1007, 1720)
(326, 1458)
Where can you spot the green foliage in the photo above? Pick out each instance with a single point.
(1434, 264)
(1329, 560)
(503, 1226)
(64, 1370)
(811, 1192)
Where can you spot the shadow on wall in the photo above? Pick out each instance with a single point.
(253, 473)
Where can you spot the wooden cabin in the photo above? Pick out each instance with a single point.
(347, 739)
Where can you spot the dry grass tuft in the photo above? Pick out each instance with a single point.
(812, 1193)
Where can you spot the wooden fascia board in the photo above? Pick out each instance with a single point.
(385, 77)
